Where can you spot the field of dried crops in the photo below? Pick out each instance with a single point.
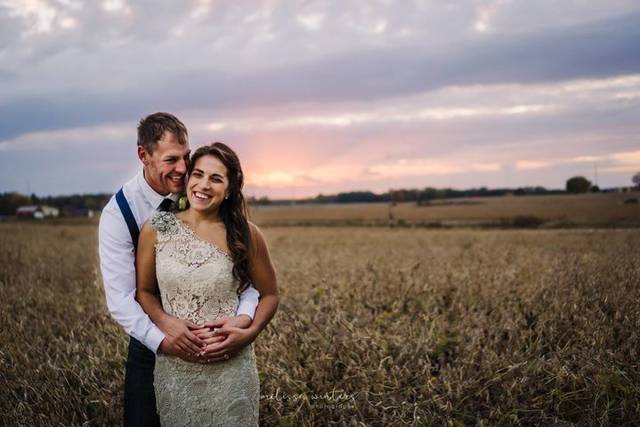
(563, 210)
(376, 327)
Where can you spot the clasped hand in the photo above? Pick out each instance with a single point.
(213, 341)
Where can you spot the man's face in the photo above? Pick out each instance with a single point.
(165, 169)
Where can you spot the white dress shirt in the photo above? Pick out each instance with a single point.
(117, 262)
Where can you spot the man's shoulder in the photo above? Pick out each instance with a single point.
(111, 210)
(131, 188)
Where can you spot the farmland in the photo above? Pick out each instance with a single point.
(377, 325)
(590, 210)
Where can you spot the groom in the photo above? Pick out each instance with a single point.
(163, 149)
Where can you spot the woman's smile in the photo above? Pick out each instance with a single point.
(201, 196)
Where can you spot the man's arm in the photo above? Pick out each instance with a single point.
(117, 263)
(248, 302)
(246, 310)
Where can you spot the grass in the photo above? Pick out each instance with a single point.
(376, 326)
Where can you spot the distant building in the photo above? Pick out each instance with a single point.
(37, 212)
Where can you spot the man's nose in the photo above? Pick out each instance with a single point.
(181, 166)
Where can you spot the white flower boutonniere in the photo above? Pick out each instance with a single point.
(182, 203)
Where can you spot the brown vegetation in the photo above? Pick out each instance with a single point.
(378, 326)
(598, 209)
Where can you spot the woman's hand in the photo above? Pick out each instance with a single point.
(216, 331)
(227, 341)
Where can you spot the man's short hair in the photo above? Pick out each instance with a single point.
(152, 127)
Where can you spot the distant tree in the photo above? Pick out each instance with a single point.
(636, 180)
(578, 184)
(595, 189)
(9, 202)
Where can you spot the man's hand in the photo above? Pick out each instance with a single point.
(181, 338)
(235, 339)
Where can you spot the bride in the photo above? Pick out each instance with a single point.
(192, 266)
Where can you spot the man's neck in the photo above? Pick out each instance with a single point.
(153, 187)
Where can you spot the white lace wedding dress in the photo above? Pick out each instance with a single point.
(196, 283)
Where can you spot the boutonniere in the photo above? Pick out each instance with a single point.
(182, 202)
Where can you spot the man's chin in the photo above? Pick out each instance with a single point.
(175, 188)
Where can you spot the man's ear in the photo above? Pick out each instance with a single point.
(143, 155)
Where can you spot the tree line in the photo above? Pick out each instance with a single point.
(9, 202)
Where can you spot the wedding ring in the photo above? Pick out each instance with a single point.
(226, 357)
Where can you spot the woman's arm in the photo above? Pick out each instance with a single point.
(179, 340)
(263, 276)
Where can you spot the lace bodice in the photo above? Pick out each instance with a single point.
(196, 283)
(194, 276)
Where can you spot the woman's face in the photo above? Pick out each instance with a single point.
(208, 184)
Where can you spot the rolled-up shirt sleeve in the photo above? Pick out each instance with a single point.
(248, 302)
(117, 264)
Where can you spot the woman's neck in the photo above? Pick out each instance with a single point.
(198, 217)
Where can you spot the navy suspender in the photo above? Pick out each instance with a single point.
(128, 217)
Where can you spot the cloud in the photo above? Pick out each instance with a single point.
(627, 158)
(116, 6)
(354, 72)
(40, 14)
(537, 102)
(312, 22)
(534, 164)
(618, 162)
(377, 116)
(324, 96)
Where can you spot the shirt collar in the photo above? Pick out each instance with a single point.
(150, 195)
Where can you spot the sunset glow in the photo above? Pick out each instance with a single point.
(321, 99)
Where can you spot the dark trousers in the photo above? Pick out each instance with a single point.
(139, 396)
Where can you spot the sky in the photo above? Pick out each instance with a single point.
(324, 96)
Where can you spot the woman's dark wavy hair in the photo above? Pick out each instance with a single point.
(233, 210)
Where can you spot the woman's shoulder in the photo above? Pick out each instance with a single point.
(163, 222)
